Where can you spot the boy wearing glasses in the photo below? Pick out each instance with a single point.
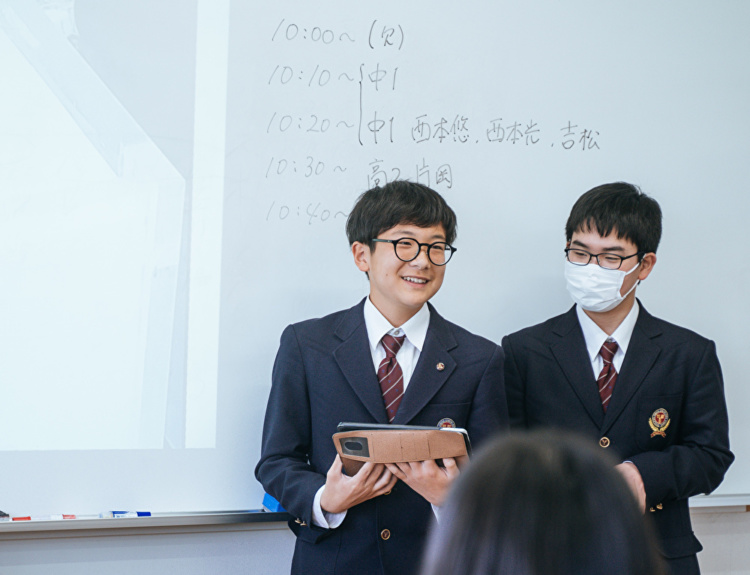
(648, 390)
(390, 359)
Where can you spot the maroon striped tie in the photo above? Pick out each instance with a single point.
(608, 375)
(390, 375)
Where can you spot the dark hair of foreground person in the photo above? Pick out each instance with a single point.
(542, 503)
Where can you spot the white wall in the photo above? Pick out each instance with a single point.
(726, 542)
(267, 550)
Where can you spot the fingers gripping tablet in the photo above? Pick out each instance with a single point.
(358, 443)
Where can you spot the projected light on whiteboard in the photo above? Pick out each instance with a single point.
(91, 234)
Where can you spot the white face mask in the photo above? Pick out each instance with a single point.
(594, 288)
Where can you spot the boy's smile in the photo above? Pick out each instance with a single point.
(399, 289)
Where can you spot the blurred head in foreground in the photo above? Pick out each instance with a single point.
(541, 503)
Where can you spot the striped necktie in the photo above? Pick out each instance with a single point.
(390, 375)
(608, 375)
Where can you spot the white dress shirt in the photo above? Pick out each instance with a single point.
(415, 331)
(595, 338)
(377, 326)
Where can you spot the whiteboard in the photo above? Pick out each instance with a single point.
(175, 178)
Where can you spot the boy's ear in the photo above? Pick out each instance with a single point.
(647, 265)
(361, 253)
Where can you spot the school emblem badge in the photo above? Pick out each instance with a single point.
(446, 422)
(659, 421)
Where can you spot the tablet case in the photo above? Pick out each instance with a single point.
(396, 444)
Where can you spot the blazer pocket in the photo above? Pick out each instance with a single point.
(683, 546)
(316, 555)
(311, 534)
(434, 414)
(657, 421)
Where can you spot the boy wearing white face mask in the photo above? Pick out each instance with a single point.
(648, 390)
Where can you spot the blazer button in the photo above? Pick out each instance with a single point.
(385, 534)
(604, 442)
(660, 506)
(387, 492)
(652, 510)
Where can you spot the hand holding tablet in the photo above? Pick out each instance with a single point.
(358, 443)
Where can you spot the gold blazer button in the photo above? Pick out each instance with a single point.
(385, 534)
(604, 442)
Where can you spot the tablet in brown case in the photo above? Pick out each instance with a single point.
(358, 443)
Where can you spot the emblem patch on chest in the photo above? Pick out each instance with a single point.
(446, 422)
(659, 421)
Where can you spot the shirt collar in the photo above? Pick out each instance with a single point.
(377, 326)
(595, 337)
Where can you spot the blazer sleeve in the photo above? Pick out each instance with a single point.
(697, 463)
(514, 387)
(283, 469)
(489, 410)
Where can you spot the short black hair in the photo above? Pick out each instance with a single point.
(400, 202)
(621, 208)
(541, 503)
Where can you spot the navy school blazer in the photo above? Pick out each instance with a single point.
(323, 375)
(550, 383)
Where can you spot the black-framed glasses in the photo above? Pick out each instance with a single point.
(407, 249)
(608, 261)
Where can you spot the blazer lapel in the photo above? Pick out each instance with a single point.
(353, 357)
(569, 349)
(640, 357)
(427, 379)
